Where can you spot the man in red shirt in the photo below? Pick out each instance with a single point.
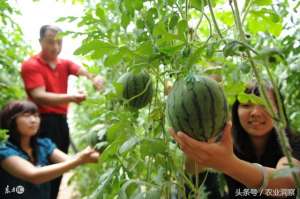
(45, 77)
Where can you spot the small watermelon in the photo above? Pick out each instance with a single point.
(97, 138)
(138, 89)
(198, 107)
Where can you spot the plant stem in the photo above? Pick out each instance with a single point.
(246, 11)
(286, 150)
(277, 95)
(197, 26)
(186, 9)
(214, 20)
(247, 46)
(210, 27)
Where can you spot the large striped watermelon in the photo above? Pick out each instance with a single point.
(137, 89)
(197, 106)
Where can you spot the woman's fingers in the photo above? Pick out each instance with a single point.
(192, 148)
(187, 141)
(174, 135)
(92, 153)
(94, 156)
(227, 137)
(172, 132)
(187, 144)
(204, 153)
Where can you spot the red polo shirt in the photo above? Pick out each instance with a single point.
(37, 73)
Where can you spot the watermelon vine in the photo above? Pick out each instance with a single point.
(169, 39)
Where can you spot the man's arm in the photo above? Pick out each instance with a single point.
(41, 96)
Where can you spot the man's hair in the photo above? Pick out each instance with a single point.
(44, 29)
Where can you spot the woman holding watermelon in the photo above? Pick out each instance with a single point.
(25, 169)
(253, 154)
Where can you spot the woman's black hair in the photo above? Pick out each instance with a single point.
(242, 143)
(8, 117)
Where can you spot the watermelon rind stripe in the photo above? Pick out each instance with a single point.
(195, 102)
(212, 109)
(198, 107)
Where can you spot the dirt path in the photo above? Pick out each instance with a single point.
(67, 191)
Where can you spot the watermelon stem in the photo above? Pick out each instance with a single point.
(188, 181)
(215, 21)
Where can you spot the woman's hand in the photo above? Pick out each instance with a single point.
(215, 155)
(88, 155)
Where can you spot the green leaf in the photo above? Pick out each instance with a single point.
(170, 2)
(119, 88)
(104, 180)
(100, 13)
(113, 59)
(129, 189)
(262, 2)
(3, 136)
(159, 28)
(182, 26)
(173, 20)
(125, 52)
(295, 119)
(198, 4)
(129, 144)
(96, 46)
(182, 29)
(142, 37)
(264, 20)
(145, 49)
(138, 4)
(232, 48)
(132, 5)
(101, 146)
(68, 19)
(140, 24)
(113, 132)
(226, 17)
(110, 152)
(125, 20)
(129, 6)
(186, 51)
(294, 63)
(245, 98)
(244, 67)
(151, 15)
(210, 49)
(272, 55)
(173, 49)
(152, 146)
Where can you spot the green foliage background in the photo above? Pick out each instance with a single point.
(170, 39)
(13, 50)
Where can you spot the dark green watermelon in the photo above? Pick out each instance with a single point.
(97, 138)
(198, 107)
(138, 89)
